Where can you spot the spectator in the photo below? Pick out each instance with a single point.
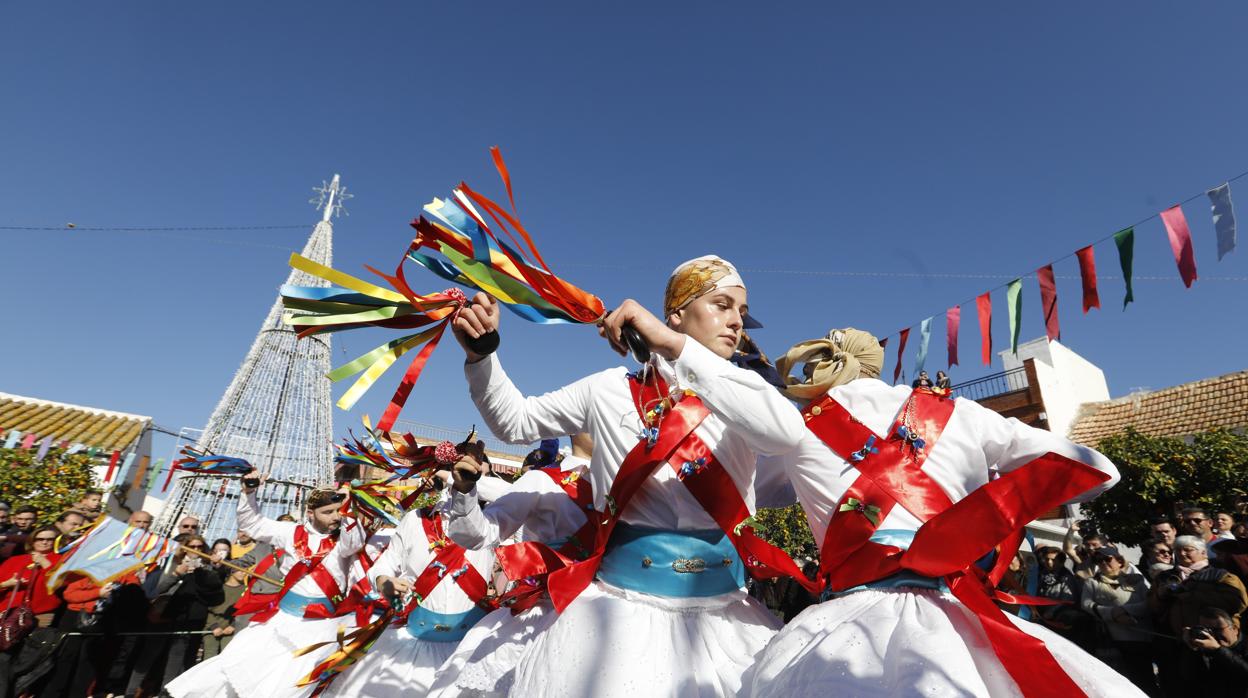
(221, 620)
(942, 380)
(70, 524)
(81, 662)
(286, 517)
(1197, 522)
(89, 504)
(24, 518)
(1163, 528)
(1083, 556)
(1232, 555)
(140, 519)
(188, 524)
(1223, 522)
(1193, 585)
(221, 549)
(1014, 581)
(1223, 653)
(1060, 584)
(243, 544)
(922, 381)
(184, 595)
(4, 516)
(25, 572)
(1158, 557)
(1119, 600)
(12, 536)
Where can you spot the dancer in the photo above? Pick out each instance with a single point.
(442, 590)
(546, 505)
(314, 560)
(897, 485)
(672, 473)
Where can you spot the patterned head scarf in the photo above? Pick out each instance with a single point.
(698, 277)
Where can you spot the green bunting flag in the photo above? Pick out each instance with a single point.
(1014, 303)
(1125, 240)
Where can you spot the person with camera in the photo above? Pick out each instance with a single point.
(315, 562)
(1219, 642)
(1083, 555)
(183, 597)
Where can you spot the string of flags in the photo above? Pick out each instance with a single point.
(1178, 234)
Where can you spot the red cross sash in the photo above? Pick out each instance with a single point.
(953, 535)
(310, 563)
(449, 562)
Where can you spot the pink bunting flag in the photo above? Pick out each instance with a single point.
(1048, 301)
(953, 318)
(28, 441)
(901, 349)
(1180, 243)
(983, 303)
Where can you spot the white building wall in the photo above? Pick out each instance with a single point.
(1067, 380)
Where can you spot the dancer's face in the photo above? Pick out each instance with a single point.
(714, 320)
(325, 519)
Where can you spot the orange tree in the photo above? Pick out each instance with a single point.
(51, 485)
(787, 529)
(1162, 474)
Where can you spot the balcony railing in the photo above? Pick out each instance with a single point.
(995, 384)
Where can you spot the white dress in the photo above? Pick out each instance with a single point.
(906, 640)
(535, 508)
(617, 642)
(259, 662)
(399, 664)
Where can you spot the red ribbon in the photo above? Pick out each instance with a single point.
(1180, 243)
(1087, 273)
(112, 466)
(983, 304)
(1048, 301)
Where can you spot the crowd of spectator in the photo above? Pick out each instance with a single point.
(1171, 623)
(127, 637)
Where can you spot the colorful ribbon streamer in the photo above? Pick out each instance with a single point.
(196, 461)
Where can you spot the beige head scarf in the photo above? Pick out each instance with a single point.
(837, 359)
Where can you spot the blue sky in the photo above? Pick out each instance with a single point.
(822, 147)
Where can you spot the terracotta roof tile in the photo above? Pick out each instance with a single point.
(89, 426)
(1178, 411)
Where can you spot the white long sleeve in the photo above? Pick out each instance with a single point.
(279, 534)
(533, 502)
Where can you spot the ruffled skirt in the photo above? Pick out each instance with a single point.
(396, 665)
(484, 663)
(612, 642)
(905, 642)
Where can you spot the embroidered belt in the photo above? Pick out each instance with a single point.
(297, 604)
(432, 626)
(671, 563)
(900, 538)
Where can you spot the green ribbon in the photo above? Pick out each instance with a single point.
(870, 511)
(1014, 304)
(1125, 240)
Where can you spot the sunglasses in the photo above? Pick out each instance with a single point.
(191, 526)
(1194, 520)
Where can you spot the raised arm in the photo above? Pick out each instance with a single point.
(515, 418)
(475, 528)
(275, 533)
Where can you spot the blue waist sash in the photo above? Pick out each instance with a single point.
(432, 626)
(671, 563)
(899, 538)
(296, 604)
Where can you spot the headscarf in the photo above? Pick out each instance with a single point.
(842, 356)
(696, 278)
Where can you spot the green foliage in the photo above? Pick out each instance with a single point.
(787, 529)
(1162, 474)
(51, 486)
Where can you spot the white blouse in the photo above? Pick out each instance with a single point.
(281, 535)
(408, 555)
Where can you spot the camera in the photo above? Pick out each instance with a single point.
(251, 482)
(1201, 631)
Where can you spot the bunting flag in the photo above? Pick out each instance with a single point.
(1125, 241)
(953, 317)
(110, 550)
(140, 471)
(1223, 218)
(983, 304)
(1087, 273)
(43, 449)
(1014, 307)
(901, 348)
(28, 442)
(471, 254)
(157, 467)
(91, 452)
(1180, 243)
(112, 465)
(925, 336)
(12, 440)
(1048, 301)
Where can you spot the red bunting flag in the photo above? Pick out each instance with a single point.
(112, 465)
(953, 317)
(984, 304)
(1180, 243)
(1087, 272)
(1048, 301)
(901, 348)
